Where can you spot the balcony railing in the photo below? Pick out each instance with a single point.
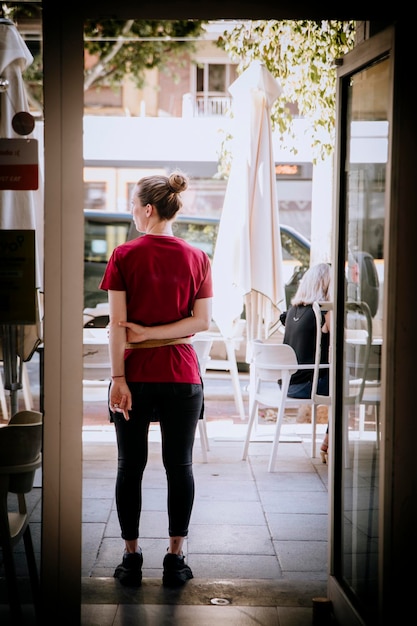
(205, 105)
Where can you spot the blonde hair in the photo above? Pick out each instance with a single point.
(314, 285)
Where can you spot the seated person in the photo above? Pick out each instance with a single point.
(300, 334)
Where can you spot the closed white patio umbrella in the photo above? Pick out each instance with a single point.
(21, 210)
(247, 262)
(17, 207)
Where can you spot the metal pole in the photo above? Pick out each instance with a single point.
(12, 364)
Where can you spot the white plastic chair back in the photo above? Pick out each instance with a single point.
(268, 357)
(277, 361)
(202, 346)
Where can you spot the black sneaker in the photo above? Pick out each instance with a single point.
(176, 571)
(129, 572)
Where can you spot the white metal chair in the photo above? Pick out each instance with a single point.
(202, 345)
(229, 363)
(271, 362)
(363, 388)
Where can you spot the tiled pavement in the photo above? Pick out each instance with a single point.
(257, 543)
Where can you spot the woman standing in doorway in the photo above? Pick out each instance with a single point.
(160, 294)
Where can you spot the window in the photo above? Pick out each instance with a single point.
(95, 195)
(212, 83)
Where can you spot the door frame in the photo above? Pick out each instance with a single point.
(396, 452)
(62, 448)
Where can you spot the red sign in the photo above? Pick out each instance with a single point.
(19, 164)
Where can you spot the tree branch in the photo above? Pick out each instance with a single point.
(98, 70)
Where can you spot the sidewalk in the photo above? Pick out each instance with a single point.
(257, 539)
(257, 543)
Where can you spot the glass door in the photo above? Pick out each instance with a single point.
(362, 221)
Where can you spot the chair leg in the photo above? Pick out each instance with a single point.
(205, 436)
(253, 413)
(280, 419)
(313, 430)
(203, 439)
(231, 355)
(33, 571)
(274, 451)
(11, 582)
(362, 412)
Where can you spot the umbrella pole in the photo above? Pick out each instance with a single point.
(12, 372)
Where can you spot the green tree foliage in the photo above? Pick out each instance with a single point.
(115, 49)
(131, 48)
(301, 55)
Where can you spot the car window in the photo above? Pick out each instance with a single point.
(101, 237)
(294, 247)
(199, 234)
(104, 231)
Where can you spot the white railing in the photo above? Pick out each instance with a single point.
(205, 105)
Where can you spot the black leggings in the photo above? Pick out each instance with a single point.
(177, 407)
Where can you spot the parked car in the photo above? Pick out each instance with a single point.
(103, 231)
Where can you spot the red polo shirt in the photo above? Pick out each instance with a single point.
(162, 277)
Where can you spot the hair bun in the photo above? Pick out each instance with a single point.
(177, 182)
